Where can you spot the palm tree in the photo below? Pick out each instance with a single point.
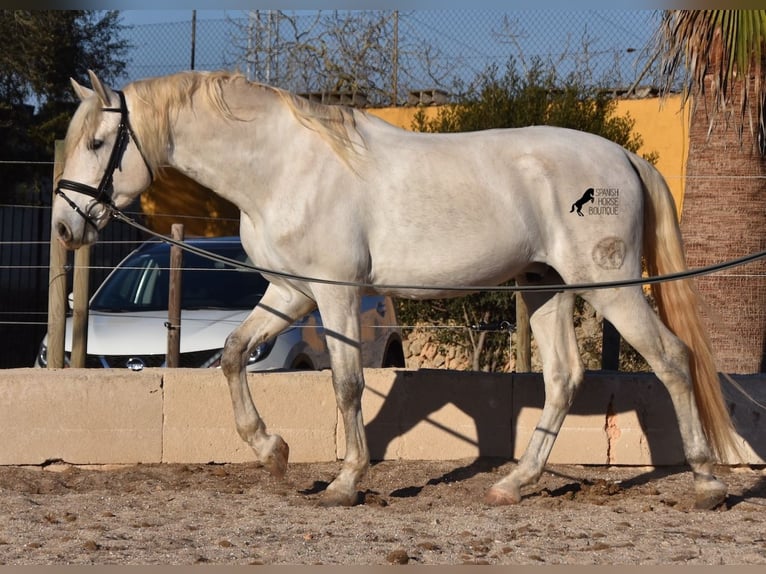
(720, 54)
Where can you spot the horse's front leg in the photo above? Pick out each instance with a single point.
(340, 315)
(277, 310)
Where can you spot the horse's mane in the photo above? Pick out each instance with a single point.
(164, 96)
(336, 124)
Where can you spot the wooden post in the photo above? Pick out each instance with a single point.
(172, 359)
(523, 337)
(80, 307)
(56, 285)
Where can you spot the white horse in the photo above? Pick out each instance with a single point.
(334, 193)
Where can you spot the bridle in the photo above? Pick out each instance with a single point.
(102, 195)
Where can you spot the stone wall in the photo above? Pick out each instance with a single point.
(423, 349)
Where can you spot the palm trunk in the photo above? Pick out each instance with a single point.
(723, 217)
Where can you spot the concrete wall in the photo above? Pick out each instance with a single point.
(184, 415)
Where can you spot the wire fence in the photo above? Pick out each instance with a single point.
(380, 57)
(24, 279)
(25, 270)
(25, 276)
(386, 56)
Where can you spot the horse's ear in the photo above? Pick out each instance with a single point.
(81, 91)
(101, 90)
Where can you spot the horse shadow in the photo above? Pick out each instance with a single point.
(414, 397)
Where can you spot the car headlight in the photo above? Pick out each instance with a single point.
(258, 354)
(42, 357)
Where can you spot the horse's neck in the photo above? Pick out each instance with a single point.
(246, 161)
(228, 156)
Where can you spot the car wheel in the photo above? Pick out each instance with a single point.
(394, 356)
(302, 364)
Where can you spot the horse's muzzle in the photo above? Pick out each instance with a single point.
(63, 233)
(73, 233)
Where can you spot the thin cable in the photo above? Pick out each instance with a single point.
(116, 214)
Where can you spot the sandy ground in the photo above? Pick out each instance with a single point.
(411, 512)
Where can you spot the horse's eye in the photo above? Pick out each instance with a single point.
(95, 144)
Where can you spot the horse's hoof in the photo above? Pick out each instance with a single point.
(497, 496)
(710, 500)
(331, 498)
(275, 458)
(711, 493)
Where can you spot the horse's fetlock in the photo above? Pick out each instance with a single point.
(249, 431)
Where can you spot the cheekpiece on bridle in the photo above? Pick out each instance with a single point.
(102, 195)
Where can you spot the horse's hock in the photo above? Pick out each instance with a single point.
(184, 415)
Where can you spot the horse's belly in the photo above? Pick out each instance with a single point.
(445, 268)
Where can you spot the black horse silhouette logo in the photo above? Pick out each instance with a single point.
(586, 197)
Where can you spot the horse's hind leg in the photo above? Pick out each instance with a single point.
(629, 312)
(551, 318)
(277, 309)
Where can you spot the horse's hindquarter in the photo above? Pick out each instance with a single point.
(476, 208)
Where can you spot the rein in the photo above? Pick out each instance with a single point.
(102, 195)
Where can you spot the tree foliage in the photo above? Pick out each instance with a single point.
(39, 51)
(508, 100)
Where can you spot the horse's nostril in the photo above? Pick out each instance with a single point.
(64, 233)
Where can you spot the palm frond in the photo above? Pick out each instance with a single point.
(719, 50)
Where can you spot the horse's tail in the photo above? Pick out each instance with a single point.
(679, 305)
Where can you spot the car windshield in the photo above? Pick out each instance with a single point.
(140, 283)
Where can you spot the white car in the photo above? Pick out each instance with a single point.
(129, 311)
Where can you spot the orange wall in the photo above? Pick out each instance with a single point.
(664, 129)
(662, 125)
